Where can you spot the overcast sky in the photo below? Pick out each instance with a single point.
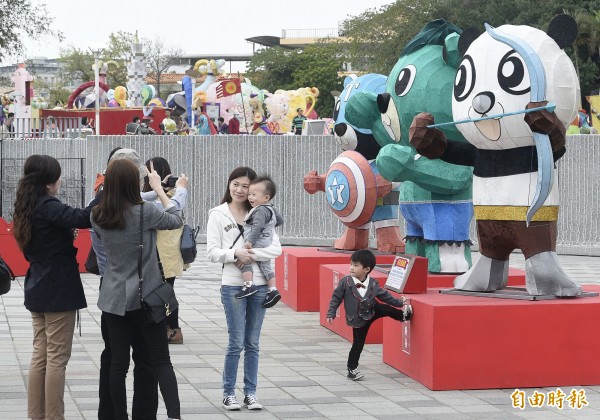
(196, 26)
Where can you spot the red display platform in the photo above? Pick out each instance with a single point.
(516, 277)
(464, 342)
(9, 250)
(112, 120)
(297, 272)
(330, 275)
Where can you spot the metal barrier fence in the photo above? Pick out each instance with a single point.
(208, 161)
(50, 127)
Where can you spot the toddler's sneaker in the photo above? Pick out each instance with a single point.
(355, 374)
(407, 311)
(271, 299)
(246, 291)
(230, 403)
(251, 402)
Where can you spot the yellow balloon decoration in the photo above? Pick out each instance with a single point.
(121, 96)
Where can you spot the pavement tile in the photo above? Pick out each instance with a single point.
(302, 374)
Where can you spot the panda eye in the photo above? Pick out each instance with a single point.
(511, 74)
(465, 79)
(336, 109)
(405, 80)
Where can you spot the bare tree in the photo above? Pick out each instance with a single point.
(159, 57)
(21, 19)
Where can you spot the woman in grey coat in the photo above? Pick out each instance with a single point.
(117, 221)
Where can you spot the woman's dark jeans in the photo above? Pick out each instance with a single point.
(120, 330)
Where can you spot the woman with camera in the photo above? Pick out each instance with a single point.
(168, 241)
(117, 220)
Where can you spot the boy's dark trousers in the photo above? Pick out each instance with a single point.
(360, 334)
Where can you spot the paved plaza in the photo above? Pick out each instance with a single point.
(302, 366)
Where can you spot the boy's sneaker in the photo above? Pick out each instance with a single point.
(271, 299)
(246, 291)
(355, 374)
(407, 311)
(230, 403)
(251, 402)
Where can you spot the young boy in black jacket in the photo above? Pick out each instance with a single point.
(358, 291)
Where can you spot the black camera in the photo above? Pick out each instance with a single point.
(170, 181)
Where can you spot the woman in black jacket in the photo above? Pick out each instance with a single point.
(43, 228)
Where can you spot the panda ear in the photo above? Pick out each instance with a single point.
(563, 30)
(466, 38)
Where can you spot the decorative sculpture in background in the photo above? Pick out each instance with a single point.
(435, 196)
(136, 73)
(505, 71)
(354, 190)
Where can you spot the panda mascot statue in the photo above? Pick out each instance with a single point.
(504, 73)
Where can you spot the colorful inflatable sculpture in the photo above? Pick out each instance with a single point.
(504, 72)
(354, 191)
(435, 196)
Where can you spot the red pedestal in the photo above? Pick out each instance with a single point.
(330, 275)
(13, 256)
(297, 271)
(516, 277)
(463, 342)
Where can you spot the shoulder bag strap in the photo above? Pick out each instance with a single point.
(241, 229)
(141, 251)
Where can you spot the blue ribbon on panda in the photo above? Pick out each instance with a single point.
(537, 79)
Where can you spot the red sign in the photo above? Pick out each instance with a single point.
(228, 87)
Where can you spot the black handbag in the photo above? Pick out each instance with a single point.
(91, 262)
(6, 276)
(160, 302)
(188, 244)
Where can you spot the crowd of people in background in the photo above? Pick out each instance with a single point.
(203, 124)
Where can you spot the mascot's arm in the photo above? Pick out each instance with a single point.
(400, 163)
(460, 154)
(429, 142)
(441, 177)
(548, 123)
(432, 143)
(313, 182)
(361, 110)
(396, 162)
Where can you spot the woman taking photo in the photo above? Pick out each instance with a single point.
(244, 316)
(169, 241)
(117, 221)
(43, 228)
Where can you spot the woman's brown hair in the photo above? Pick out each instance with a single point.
(121, 190)
(239, 172)
(38, 172)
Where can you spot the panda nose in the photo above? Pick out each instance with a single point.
(340, 129)
(483, 102)
(383, 100)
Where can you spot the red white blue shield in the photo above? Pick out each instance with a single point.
(351, 189)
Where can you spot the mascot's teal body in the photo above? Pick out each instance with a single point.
(435, 196)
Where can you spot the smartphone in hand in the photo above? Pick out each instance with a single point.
(170, 181)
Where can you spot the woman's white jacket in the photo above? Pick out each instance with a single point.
(221, 232)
